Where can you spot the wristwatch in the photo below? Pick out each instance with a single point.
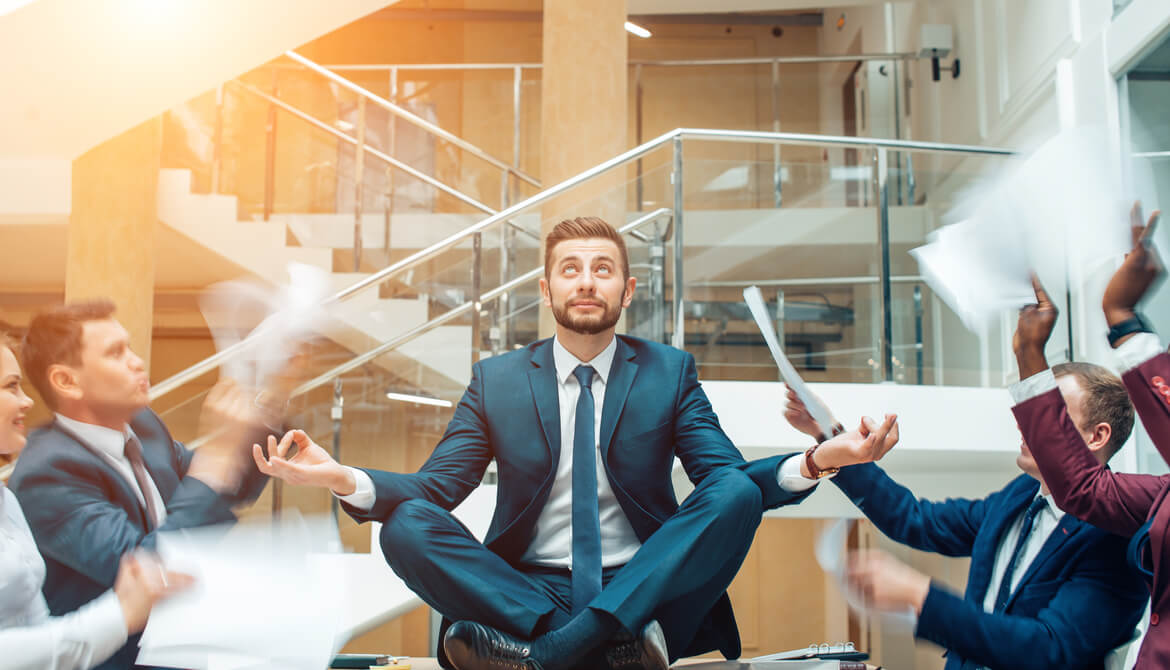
(813, 471)
(1134, 324)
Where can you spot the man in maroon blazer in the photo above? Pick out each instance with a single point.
(1127, 504)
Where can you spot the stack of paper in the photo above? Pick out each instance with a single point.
(263, 598)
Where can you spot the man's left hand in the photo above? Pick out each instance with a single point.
(865, 444)
(885, 583)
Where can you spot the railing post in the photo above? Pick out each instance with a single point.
(359, 178)
(270, 149)
(335, 413)
(499, 332)
(658, 284)
(911, 182)
(505, 180)
(676, 178)
(517, 88)
(882, 192)
(476, 305)
(217, 141)
(777, 186)
(638, 136)
(918, 346)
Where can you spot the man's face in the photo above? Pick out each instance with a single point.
(585, 287)
(111, 378)
(1074, 398)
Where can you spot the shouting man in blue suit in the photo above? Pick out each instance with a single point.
(589, 561)
(1044, 590)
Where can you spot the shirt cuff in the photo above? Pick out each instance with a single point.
(1138, 349)
(1036, 385)
(790, 478)
(102, 623)
(363, 496)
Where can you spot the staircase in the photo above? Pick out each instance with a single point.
(439, 359)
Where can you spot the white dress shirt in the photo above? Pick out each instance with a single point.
(29, 638)
(553, 543)
(110, 444)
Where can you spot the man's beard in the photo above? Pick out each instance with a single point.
(588, 325)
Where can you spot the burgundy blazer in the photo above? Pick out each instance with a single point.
(1117, 502)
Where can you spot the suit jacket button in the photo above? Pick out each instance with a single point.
(1154, 619)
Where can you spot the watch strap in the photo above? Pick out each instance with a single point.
(1134, 324)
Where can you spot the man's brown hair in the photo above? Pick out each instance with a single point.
(1105, 401)
(54, 336)
(583, 228)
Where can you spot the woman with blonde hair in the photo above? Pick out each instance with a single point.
(29, 637)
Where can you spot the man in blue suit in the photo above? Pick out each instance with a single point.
(105, 477)
(590, 560)
(1044, 589)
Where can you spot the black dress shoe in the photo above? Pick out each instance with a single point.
(473, 646)
(647, 651)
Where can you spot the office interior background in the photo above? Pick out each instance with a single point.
(416, 150)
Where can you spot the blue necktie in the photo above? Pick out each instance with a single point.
(1005, 585)
(586, 574)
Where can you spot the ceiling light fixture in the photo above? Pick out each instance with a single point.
(635, 29)
(418, 399)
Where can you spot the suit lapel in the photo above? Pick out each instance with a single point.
(542, 378)
(1068, 527)
(621, 378)
(1014, 502)
(128, 494)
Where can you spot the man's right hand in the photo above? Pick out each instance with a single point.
(309, 466)
(141, 582)
(229, 419)
(1137, 273)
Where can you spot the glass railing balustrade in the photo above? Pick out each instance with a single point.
(701, 223)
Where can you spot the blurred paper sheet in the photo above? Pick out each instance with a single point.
(831, 551)
(274, 321)
(759, 309)
(263, 598)
(1059, 212)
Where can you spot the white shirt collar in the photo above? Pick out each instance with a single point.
(566, 362)
(1052, 508)
(107, 440)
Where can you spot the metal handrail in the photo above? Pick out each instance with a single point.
(411, 118)
(639, 151)
(385, 158)
(762, 60)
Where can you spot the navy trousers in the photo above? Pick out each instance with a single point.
(676, 577)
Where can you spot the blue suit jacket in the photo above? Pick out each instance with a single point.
(1076, 601)
(654, 410)
(84, 514)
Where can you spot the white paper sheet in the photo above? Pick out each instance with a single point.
(1060, 211)
(755, 302)
(263, 598)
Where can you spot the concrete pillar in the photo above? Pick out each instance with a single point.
(583, 108)
(111, 228)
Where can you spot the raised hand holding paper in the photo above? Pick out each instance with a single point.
(759, 309)
(1061, 211)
